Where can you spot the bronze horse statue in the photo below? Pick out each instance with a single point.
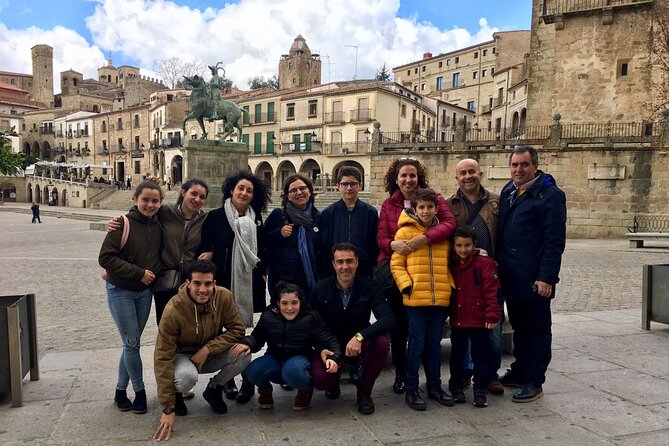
(206, 103)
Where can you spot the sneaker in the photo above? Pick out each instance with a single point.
(121, 399)
(467, 377)
(246, 392)
(333, 392)
(231, 390)
(440, 395)
(188, 394)
(139, 405)
(214, 396)
(480, 399)
(414, 400)
(265, 400)
(399, 385)
(180, 409)
(365, 404)
(528, 393)
(458, 395)
(303, 399)
(495, 387)
(511, 379)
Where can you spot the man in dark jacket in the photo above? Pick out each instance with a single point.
(530, 243)
(346, 302)
(350, 220)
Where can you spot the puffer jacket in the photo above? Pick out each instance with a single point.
(125, 267)
(392, 208)
(186, 327)
(422, 276)
(476, 300)
(285, 339)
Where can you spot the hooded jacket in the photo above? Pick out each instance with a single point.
(422, 276)
(125, 267)
(531, 237)
(186, 327)
(475, 302)
(285, 339)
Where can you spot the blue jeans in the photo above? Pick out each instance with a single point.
(426, 325)
(496, 346)
(296, 372)
(130, 311)
(477, 340)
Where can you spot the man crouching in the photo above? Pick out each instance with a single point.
(199, 326)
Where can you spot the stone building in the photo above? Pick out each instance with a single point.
(299, 68)
(18, 80)
(590, 61)
(167, 110)
(42, 86)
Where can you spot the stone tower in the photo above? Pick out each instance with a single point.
(299, 68)
(42, 89)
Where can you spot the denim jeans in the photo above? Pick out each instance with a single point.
(426, 325)
(296, 372)
(496, 347)
(130, 311)
(478, 339)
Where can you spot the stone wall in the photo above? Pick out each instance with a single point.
(604, 187)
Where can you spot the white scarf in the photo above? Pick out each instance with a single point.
(244, 258)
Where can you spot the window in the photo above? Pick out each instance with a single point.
(476, 54)
(485, 53)
(415, 70)
(457, 60)
(440, 64)
(136, 121)
(104, 127)
(498, 124)
(290, 111)
(404, 111)
(137, 144)
(257, 143)
(119, 124)
(456, 80)
(138, 168)
(492, 70)
(422, 86)
(448, 62)
(484, 73)
(475, 75)
(408, 72)
(423, 69)
(415, 88)
(313, 105)
(440, 83)
(494, 50)
(257, 113)
(623, 67)
(270, 142)
(270, 112)
(471, 105)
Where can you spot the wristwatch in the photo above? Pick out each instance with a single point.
(168, 410)
(359, 337)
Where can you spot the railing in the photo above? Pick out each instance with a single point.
(344, 148)
(102, 151)
(118, 148)
(400, 137)
(649, 223)
(535, 132)
(46, 130)
(610, 130)
(553, 7)
(361, 115)
(498, 101)
(485, 109)
(335, 118)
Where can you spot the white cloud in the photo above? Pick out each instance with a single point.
(249, 37)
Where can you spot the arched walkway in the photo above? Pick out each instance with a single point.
(523, 117)
(38, 195)
(53, 199)
(311, 168)
(35, 150)
(64, 198)
(46, 151)
(45, 195)
(26, 148)
(29, 193)
(177, 169)
(285, 169)
(265, 172)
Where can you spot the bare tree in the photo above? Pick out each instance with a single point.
(260, 82)
(173, 69)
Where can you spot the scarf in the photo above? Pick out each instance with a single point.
(244, 258)
(304, 221)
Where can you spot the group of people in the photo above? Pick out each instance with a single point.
(422, 260)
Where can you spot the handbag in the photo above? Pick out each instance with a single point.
(383, 276)
(167, 280)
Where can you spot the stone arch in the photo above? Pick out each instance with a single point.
(515, 121)
(8, 192)
(64, 197)
(177, 169)
(62, 159)
(45, 195)
(38, 195)
(26, 148)
(311, 168)
(265, 172)
(523, 117)
(35, 149)
(46, 151)
(335, 171)
(53, 198)
(29, 193)
(285, 169)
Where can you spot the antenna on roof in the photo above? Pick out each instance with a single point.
(355, 76)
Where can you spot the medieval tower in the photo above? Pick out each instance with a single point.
(299, 68)
(42, 88)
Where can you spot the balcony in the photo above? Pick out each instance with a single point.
(335, 118)
(485, 109)
(260, 118)
(102, 151)
(119, 148)
(301, 147)
(498, 102)
(345, 148)
(46, 131)
(361, 115)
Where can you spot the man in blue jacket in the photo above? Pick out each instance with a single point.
(350, 220)
(530, 243)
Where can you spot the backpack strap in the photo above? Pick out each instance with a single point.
(126, 231)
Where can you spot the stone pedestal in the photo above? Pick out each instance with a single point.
(213, 161)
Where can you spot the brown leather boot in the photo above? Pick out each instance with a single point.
(265, 400)
(303, 399)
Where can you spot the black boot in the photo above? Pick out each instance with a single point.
(399, 385)
(414, 400)
(180, 408)
(121, 399)
(139, 405)
(214, 396)
(231, 389)
(246, 392)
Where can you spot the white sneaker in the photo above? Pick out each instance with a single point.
(189, 394)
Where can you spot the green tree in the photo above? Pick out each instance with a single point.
(260, 82)
(10, 163)
(382, 74)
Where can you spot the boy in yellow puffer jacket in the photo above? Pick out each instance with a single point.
(425, 281)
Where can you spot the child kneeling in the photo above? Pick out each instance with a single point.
(474, 312)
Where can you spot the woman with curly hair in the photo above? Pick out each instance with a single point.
(232, 239)
(404, 177)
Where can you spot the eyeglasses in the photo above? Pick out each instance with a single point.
(347, 184)
(295, 190)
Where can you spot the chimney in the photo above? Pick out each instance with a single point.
(427, 56)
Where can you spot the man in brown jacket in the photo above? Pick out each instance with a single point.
(199, 326)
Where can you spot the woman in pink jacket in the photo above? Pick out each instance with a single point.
(404, 177)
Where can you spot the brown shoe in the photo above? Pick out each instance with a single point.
(495, 387)
(303, 399)
(265, 400)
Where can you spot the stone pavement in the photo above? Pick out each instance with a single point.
(608, 382)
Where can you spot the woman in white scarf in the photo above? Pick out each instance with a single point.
(231, 238)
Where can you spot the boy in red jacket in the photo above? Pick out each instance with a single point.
(474, 312)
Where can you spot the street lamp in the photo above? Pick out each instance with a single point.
(367, 134)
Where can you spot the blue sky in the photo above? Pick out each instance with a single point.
(248, 35)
